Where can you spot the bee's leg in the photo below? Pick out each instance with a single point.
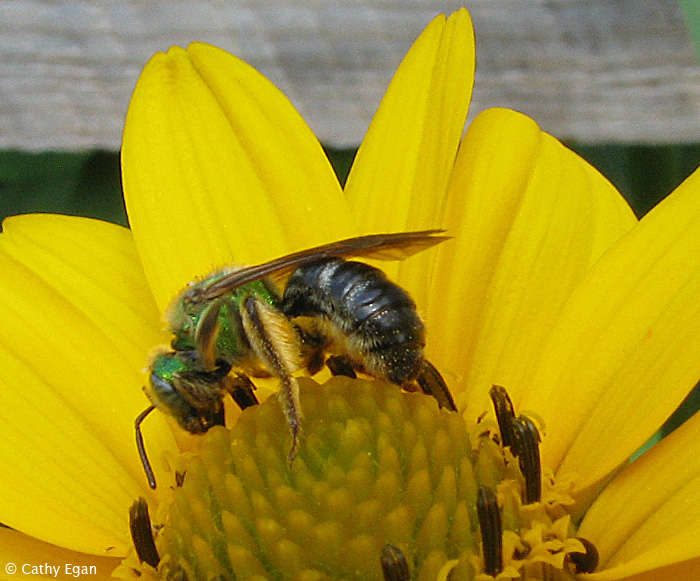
(341, 365)
(432, 383)
(275, 341)
(242, 390)
(312, 348)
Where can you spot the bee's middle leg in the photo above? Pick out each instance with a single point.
(313, 346)
(341, 365)
(242, 390)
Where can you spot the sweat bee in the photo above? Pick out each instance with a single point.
(236, 320)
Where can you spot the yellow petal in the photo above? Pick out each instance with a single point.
(32, 557)
(680, 571)
(399, 176)
(649, 513)
(93, 264)
(219, 167)
(624, 353)
(70, 337)
(528, 218)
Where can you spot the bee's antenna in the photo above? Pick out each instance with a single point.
(142, 449)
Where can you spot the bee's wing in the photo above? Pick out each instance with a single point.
(396, 246)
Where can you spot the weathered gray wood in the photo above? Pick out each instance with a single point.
(600, 70)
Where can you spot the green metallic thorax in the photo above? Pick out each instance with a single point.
(231, 344)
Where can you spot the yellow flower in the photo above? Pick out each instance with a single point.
(549, 287)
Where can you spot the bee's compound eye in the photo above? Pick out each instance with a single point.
(162, 387)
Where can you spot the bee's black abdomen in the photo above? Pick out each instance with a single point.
(377, 317)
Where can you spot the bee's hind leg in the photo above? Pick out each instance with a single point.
(276, 342)
(432, 383)
(341, 365)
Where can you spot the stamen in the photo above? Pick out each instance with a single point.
(584, 562)
(491, 530)
(394, 565)
(505, 414)
(432, 383)
(142, 533)
(526, 448)
(180, 478)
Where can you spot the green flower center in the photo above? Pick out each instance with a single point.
(385, 486)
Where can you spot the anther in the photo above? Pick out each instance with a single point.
(491, 530)
(432, 383)
(180, 478)
(584, 562)
(394, 564)
(526, 448)
(142, 533)
(505, 414)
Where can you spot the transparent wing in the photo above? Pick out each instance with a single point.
(396, 246)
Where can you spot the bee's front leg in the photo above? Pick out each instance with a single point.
(275, 342)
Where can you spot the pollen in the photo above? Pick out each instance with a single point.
(385, 485)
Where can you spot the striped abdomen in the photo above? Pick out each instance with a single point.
(363, 314)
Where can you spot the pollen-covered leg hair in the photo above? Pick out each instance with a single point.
(142, 533)
(276, 343)
(341, 365)
(242, 390)
(432, 383)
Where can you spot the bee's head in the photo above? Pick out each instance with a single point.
(174, 386)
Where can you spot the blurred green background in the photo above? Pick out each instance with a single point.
(88, 184)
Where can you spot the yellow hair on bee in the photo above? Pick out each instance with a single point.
(277, 344)
(279, 332)
(356, 347)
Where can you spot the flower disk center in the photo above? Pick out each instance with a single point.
(385, 486)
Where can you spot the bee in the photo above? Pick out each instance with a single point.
(236, 320)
